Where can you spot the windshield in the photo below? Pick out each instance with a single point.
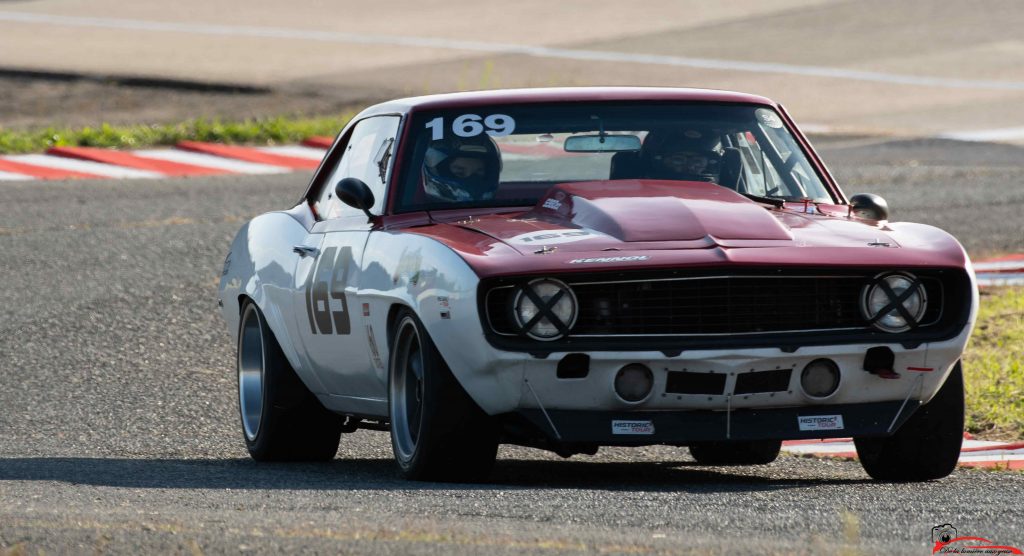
(511, 155)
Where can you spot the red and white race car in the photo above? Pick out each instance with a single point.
(575, 268)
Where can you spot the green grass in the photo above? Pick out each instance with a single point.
(262, 131)
(994, 366)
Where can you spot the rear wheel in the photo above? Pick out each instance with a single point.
(927, 446)
(437, 432)
(751, 452)
(281, 419)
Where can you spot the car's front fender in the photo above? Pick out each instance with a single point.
(421, 273)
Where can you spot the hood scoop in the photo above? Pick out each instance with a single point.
(654, 211)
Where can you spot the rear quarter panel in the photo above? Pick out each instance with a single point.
(260, 266)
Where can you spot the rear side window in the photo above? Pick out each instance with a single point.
(367, 157)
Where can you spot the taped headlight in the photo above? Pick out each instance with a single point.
(545, 309)
(894, 302)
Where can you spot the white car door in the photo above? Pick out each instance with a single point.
(337, 345)
(332, 329)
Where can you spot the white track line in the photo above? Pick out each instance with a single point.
(504, 48)
(9, 176)
(210, 161)
(995, 454)
(823, 448)
(992, 455)
(297, 151)
(996, 266)
(986, 135)
(95, 168)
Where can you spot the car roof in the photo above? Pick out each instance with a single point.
(560, 94)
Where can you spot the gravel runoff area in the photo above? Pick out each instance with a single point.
(119, 425)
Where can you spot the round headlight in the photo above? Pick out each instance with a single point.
(545, 309)
(894, 302)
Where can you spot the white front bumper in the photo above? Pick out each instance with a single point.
(502, 381)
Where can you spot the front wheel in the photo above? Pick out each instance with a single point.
(437, 432)
(281, 419)
(752, 452)
(927, 446)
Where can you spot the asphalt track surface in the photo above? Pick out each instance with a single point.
(119, 429)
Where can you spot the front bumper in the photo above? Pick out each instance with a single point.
(635, 428)
(504, 381)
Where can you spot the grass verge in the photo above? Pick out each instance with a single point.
(994, 366)
(259, 131)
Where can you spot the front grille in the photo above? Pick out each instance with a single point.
(675, 310)
(705, 306)
(727, 305)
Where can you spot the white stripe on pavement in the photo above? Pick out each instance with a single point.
(298, 151)
(996, 266)
(211, 161)
(823, 448)
(95, 168)
(994, 453)
(1001, 134)
(971, 458)
(503, 48)
(9, 176)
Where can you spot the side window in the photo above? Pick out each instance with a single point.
(367, 157)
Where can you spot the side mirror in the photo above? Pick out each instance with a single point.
(354, 193)
(869, 207)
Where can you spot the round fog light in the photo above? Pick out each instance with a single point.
(820, 378)
(634, 382)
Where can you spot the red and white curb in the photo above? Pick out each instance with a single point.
(1002, 271)
(974, 453)
(187, 158)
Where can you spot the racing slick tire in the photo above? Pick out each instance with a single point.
(438, 433)
(752, 452)
(927, 446)
(281, 419)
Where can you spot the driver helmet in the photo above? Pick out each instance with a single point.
(691, 156)
(461, 169)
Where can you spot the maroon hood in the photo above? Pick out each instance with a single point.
(652, 214)
(657, 223)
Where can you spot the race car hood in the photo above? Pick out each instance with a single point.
(651, 214)
(638, 222)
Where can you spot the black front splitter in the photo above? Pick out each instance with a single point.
(633, 428)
